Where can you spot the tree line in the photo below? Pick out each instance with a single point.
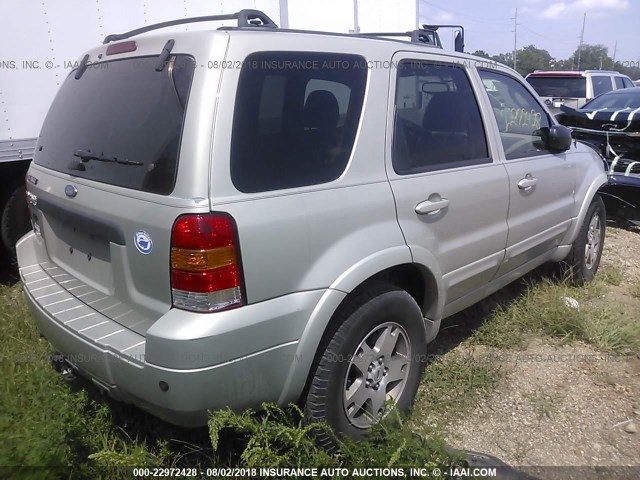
(589, 57)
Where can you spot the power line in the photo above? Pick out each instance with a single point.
(544, 36)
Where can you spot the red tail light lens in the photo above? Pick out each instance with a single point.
(205, 263)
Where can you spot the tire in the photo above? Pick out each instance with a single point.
(584, 258)
(14, 218)
(359, 363)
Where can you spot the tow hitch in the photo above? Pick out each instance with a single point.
(61, 365)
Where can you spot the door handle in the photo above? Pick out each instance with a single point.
(431, 207)
(527, 183)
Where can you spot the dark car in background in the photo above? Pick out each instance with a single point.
(611, 124)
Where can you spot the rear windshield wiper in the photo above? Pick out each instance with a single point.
(86, 155)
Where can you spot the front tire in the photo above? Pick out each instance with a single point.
(586, 251)
(375, 355)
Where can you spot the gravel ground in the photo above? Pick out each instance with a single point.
(565, 405)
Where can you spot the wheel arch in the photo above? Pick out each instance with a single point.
(593, 190)
(416, 279)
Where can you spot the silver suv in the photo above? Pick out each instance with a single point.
(575, 88)
(246, 215)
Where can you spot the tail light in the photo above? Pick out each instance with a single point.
(206, 275)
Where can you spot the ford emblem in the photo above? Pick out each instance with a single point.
(70, 191)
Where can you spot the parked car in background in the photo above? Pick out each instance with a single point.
(611, 123)
(294, 223)
(574, 89)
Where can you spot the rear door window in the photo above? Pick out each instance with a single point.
(437, 119)
(120, 123)
(296, 117)
(619, 82)
(601, 84)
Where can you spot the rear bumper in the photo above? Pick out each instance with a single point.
(236, 373)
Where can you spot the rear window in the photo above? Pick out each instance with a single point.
(559, 87)
(120, 123)
(296, 117)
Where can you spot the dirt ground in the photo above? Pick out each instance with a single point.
(565, 405)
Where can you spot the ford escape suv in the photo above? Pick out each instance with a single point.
(250, 214)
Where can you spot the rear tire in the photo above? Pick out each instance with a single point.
(584, 258)
(14, 218)
(376, 354)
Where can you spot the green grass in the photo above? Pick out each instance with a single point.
(542, 310)
(611, 275)
(452, 387)
(635, 290)
(43, 422)
(279, 438)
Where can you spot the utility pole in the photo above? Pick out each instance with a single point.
(284, 13)
(515, 39)
(356, 28)
(615, 49)
(584, 19)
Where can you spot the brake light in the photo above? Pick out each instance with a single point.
(122, 47)
(206, 275)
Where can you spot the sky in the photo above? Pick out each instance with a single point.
(549, 24)
(54, 33)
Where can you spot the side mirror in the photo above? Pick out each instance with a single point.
(559, 138)
(459, 41)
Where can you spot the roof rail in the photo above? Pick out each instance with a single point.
(427, 35)
(246, 18)
(422, 36)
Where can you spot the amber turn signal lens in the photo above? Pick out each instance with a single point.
(202, 260)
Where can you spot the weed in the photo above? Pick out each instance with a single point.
(543, 309)
(451, 387)
(611, 275)
(542, 403)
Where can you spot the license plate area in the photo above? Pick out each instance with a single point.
(81, 254)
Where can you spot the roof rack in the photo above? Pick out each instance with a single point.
(427, 35)
(246, 18)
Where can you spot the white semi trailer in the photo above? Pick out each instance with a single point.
(34, 61)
